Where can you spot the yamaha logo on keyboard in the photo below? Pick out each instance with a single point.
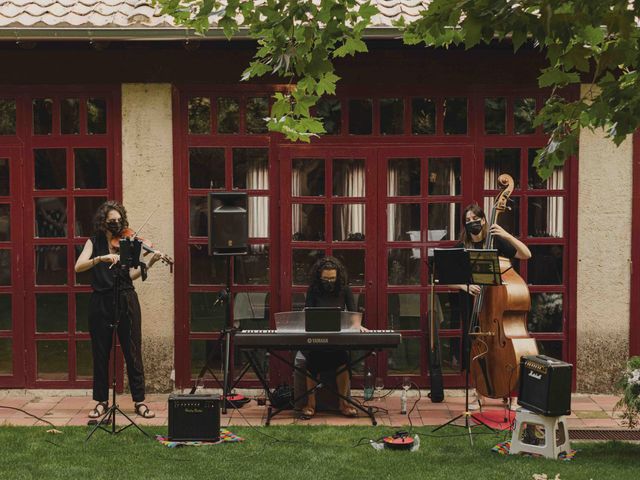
(317, 340)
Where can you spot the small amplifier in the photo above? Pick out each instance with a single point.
(545, 385)
(194, 418)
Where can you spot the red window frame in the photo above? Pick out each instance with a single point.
(634, 320)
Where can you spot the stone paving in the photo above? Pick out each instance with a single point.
(71, 408)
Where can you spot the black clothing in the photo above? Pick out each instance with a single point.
(505, 248)
(328, 360)
(101, 318)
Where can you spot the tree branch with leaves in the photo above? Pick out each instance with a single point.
(583, 41)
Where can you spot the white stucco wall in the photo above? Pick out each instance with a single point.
(604, 255)
(147, 177)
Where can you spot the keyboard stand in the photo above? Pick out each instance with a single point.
(251, 354)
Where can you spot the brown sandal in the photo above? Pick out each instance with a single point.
(349, 411)
(307, 412)
(143, 410)
(99, 410)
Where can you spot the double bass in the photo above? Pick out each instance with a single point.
(498, 326)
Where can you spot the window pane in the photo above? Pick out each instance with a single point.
(90, 167)
(307, 177)
(403, 222)
(204, 316)
(50, 169)
(5, 223)
(554, 182)
(5, 186)
(550, 348)
(205, 269)
(360, 117)
(198, 221)
(444, 221)
(7, 117)
(545, 265)
(251, 310)
(423, 116)
(391, 116)
(404, 266)
(349, 222)
(303, 260)
(329, 110)
(51, 312)
(201, 351)
(6, 356)
(251, 168)
(546, 314)
(455, 116)
(349, 178)
(81, 278)
(42, 116)
(495, 115)
(51, 264)
(498, 161)
(206, 167)
(96, 116)
(50, 217)
(86, 208)
(307, 222)
(403, 311)
(257, 111)
(5, 311)
(546, 216)
(444, 176)
(70, 116)
(403, 177)
(82, 311)
(451, 354)
(258, 212)
(5, 268)
(228, 115)
(447, 310)
(509, 219)
(406, 358)
(199, 112)
(84, 360)
(353, 261)
(524, 112)
(253, 268)
(298, 300)
(52, 356)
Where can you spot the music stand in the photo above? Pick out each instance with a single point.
(459, 266)
(130, 250)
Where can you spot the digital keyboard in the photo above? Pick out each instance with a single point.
(274, 339)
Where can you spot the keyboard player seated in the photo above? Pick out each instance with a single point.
(329, 289)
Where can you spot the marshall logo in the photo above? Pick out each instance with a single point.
(317, 340)
(537, 376)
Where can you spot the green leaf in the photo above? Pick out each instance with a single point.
(555, 76)
(351, 46)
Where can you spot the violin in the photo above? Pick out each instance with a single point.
(147, 246)
(499, 321)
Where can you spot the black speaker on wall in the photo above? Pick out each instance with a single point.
(228, 223)
(545, 385)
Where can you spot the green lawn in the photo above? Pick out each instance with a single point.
(300, 452)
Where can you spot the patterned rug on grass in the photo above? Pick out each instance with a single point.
(501, 419)
(225, 437)
(503, 449)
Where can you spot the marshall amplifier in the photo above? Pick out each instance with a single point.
(194, 418)
(545, 385)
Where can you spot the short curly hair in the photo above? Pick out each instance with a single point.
(328, 263)
(100, 218)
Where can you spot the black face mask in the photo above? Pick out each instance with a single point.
(114, 226)
(328, 285)
(474, 227)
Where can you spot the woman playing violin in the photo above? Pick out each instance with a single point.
(101, 257)
(474, 234)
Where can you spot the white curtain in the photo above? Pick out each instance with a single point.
(394, 220)
(353, 185)
(258, 208)
(555, 205)
(296, 189)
